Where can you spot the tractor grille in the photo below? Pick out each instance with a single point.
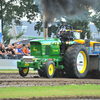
(28, 59)
(47, 52)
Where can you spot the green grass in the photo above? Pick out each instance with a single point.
(50, 91)
(13, 71)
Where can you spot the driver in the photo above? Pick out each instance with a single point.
(60, 35)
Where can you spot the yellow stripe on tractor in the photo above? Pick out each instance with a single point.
(75, 30)
(80, 41)
(83, 41)
(92, 42)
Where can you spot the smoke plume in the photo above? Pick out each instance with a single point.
(56, 8)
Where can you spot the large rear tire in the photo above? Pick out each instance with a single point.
(24, 71)
(76, 61)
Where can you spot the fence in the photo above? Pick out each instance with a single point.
(8, 64)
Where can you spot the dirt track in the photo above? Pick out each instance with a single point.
(14, 79)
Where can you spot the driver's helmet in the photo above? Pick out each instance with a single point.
(62, 30)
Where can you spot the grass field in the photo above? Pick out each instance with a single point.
(46, 91)
(13, 71)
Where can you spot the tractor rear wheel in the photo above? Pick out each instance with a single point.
(76, 61)
(24, 71)
(49, 69)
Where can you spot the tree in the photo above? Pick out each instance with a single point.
(96, 21)
(80, 25)
(52, 29)
(39, 27)
(20, 34)
(15, 10)
(6, 36)
(96, 17)
(79, 22)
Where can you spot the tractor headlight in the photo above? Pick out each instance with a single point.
(34, 59)
(67, 42)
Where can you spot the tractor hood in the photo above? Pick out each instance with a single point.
(40, 48)
(47, 42)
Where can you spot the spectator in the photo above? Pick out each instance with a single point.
(28, 45)
(15, 45)
(9, 52)
(14, 52)
(0, 49)
(25, 51)
(29, 51)
(20, 53)
(12, 48)
(15, 49)
(14, 56)
(3, 52)
(19, 49)
(21, 45)
(19, 42)
(9, 49)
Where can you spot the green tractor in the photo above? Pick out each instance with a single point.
(57, 55)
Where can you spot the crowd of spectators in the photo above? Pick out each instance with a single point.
(16, 51)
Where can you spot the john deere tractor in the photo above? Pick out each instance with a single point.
(66, 54)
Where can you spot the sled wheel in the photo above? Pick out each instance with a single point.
(23, 72)
(49, 69)
(76, 61)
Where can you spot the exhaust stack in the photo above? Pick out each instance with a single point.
(45, 30)
(45, 27)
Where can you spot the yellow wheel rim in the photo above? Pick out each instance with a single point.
(50, 69)
(81, 62)
(25, 70)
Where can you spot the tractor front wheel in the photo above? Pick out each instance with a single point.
(41, 72)
(59, 73)
(23, 72)
(49, 69)
(76, 61)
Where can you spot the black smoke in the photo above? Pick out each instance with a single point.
(57, 8)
